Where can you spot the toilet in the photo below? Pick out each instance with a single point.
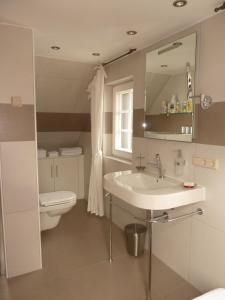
(53, 205)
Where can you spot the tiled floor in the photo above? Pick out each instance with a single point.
(75, 267)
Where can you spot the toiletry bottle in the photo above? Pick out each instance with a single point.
(164, 107)
(189, 105)
(184, 106)
(179, 164)
(173, 104)
(178, 108)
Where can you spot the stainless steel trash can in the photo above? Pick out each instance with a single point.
(135, 238)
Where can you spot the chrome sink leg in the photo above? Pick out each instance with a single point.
(110, 228)
(149, 217)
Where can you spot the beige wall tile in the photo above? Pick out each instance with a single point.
(47, 121)
(19, 176)
(16, 60)
(207, 267)
(17, 123)
(22, 241)
(108, 98)
(213, 180)
(107, 144)
(108, 122)
(171, 244)
(85, 143)
(212, 59)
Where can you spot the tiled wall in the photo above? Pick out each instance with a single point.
(195, 247)
(18, 159)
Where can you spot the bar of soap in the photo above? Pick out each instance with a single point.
(189, 185)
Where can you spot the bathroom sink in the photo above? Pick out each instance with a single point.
(147, 191)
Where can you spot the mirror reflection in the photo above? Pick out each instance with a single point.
(170, 73)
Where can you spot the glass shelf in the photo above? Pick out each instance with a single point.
(177, 113)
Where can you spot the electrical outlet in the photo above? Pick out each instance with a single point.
(205, 162)
(16, 101)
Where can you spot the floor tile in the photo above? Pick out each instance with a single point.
(76, 267)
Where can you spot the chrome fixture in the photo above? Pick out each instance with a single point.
(158, 165)
(119, 57)
(96, 54)
(179, 3)
(171, 47)
(149, 220)
(131, 32)
(189, 81)
(56, 48)
(140, 167)
(221, 7)
(205, 101)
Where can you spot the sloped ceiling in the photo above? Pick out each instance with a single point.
(61, 85)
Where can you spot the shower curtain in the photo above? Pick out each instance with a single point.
(96, 91)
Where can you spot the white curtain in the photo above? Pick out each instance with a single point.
(96, 91)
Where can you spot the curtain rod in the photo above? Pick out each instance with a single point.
(121, 56)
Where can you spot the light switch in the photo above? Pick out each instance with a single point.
(16, 101)
(205, 162)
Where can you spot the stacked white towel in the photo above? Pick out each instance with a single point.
(53, 154)
(66, 151)
(42, 153)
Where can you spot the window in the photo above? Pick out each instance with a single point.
(123, 120)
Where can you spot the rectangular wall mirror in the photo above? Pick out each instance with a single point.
(170, 78)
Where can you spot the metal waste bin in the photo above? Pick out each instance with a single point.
(135, 238)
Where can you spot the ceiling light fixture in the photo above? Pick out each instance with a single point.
(56, 48)
(131, 32)
(96, 54)
(169, 48)
(179, 3)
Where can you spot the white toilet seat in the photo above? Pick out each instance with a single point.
(56, 198)
(53, 205)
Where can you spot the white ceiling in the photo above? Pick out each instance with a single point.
(81, 27)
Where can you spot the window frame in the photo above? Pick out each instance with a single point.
(122, 89)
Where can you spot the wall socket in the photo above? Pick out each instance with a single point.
(205, 162)
(16, 101)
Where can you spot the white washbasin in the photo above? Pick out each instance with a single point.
(146, 191)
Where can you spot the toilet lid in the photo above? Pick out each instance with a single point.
(54, 198)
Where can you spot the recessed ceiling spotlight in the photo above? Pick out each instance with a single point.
(56, 48)
(96, 54)
(131, 32)
(179, 3)
(164, 66)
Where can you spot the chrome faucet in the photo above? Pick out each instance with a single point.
(158, 165)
